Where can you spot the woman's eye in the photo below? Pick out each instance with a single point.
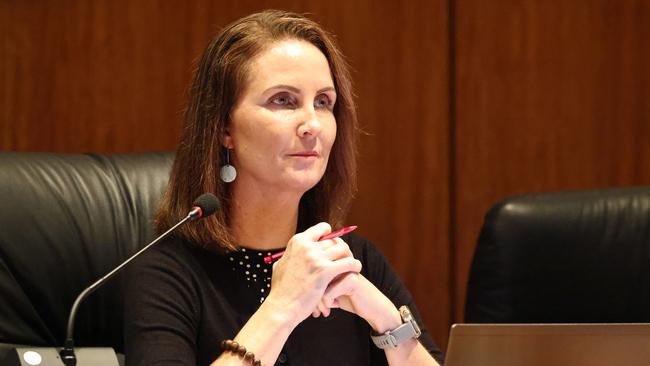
(323, 101)
(282, 100)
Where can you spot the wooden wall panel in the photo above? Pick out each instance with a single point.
(403, 200)
(84, 76)
(550, 95)
(111, 76)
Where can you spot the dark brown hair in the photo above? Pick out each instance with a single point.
(218, 83)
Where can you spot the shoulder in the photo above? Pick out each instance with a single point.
(172, 262)
(172, 253)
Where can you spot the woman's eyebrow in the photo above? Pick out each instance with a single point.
(296, 90)
(326, 89)
(283, 86)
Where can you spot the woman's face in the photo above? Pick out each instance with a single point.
(283, 127)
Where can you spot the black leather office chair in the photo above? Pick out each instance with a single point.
(563, 257)
(66, 220)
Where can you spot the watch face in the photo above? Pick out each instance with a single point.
(405, 312)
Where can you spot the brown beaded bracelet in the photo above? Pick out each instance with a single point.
(228, 345)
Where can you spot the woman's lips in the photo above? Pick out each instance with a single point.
(305, 154)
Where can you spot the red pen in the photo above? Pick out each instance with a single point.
(332, 235)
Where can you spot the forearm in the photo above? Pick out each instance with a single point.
(410, 352)
(264, 334)
(383, 315)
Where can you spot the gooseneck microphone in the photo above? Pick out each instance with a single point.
(204, 206)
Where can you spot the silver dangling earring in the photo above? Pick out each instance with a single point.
(228, 172)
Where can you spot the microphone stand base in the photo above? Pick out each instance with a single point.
(49, 356)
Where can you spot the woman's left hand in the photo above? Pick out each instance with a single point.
(352, 292)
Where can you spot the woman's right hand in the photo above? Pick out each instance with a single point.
(304, 272)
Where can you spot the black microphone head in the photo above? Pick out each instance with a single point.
(208, 203)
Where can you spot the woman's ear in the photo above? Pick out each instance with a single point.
(226, 140)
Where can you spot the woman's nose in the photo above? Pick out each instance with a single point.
(310, 125)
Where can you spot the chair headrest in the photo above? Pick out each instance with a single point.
(564, 257)
(67, 220)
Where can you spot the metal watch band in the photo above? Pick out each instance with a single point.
(409, 329)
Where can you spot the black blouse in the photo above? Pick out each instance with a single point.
(183, 300)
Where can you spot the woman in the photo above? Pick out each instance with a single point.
(270, 129)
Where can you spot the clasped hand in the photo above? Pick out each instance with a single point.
(315, 276)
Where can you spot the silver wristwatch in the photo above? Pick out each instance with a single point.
(409, 329)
